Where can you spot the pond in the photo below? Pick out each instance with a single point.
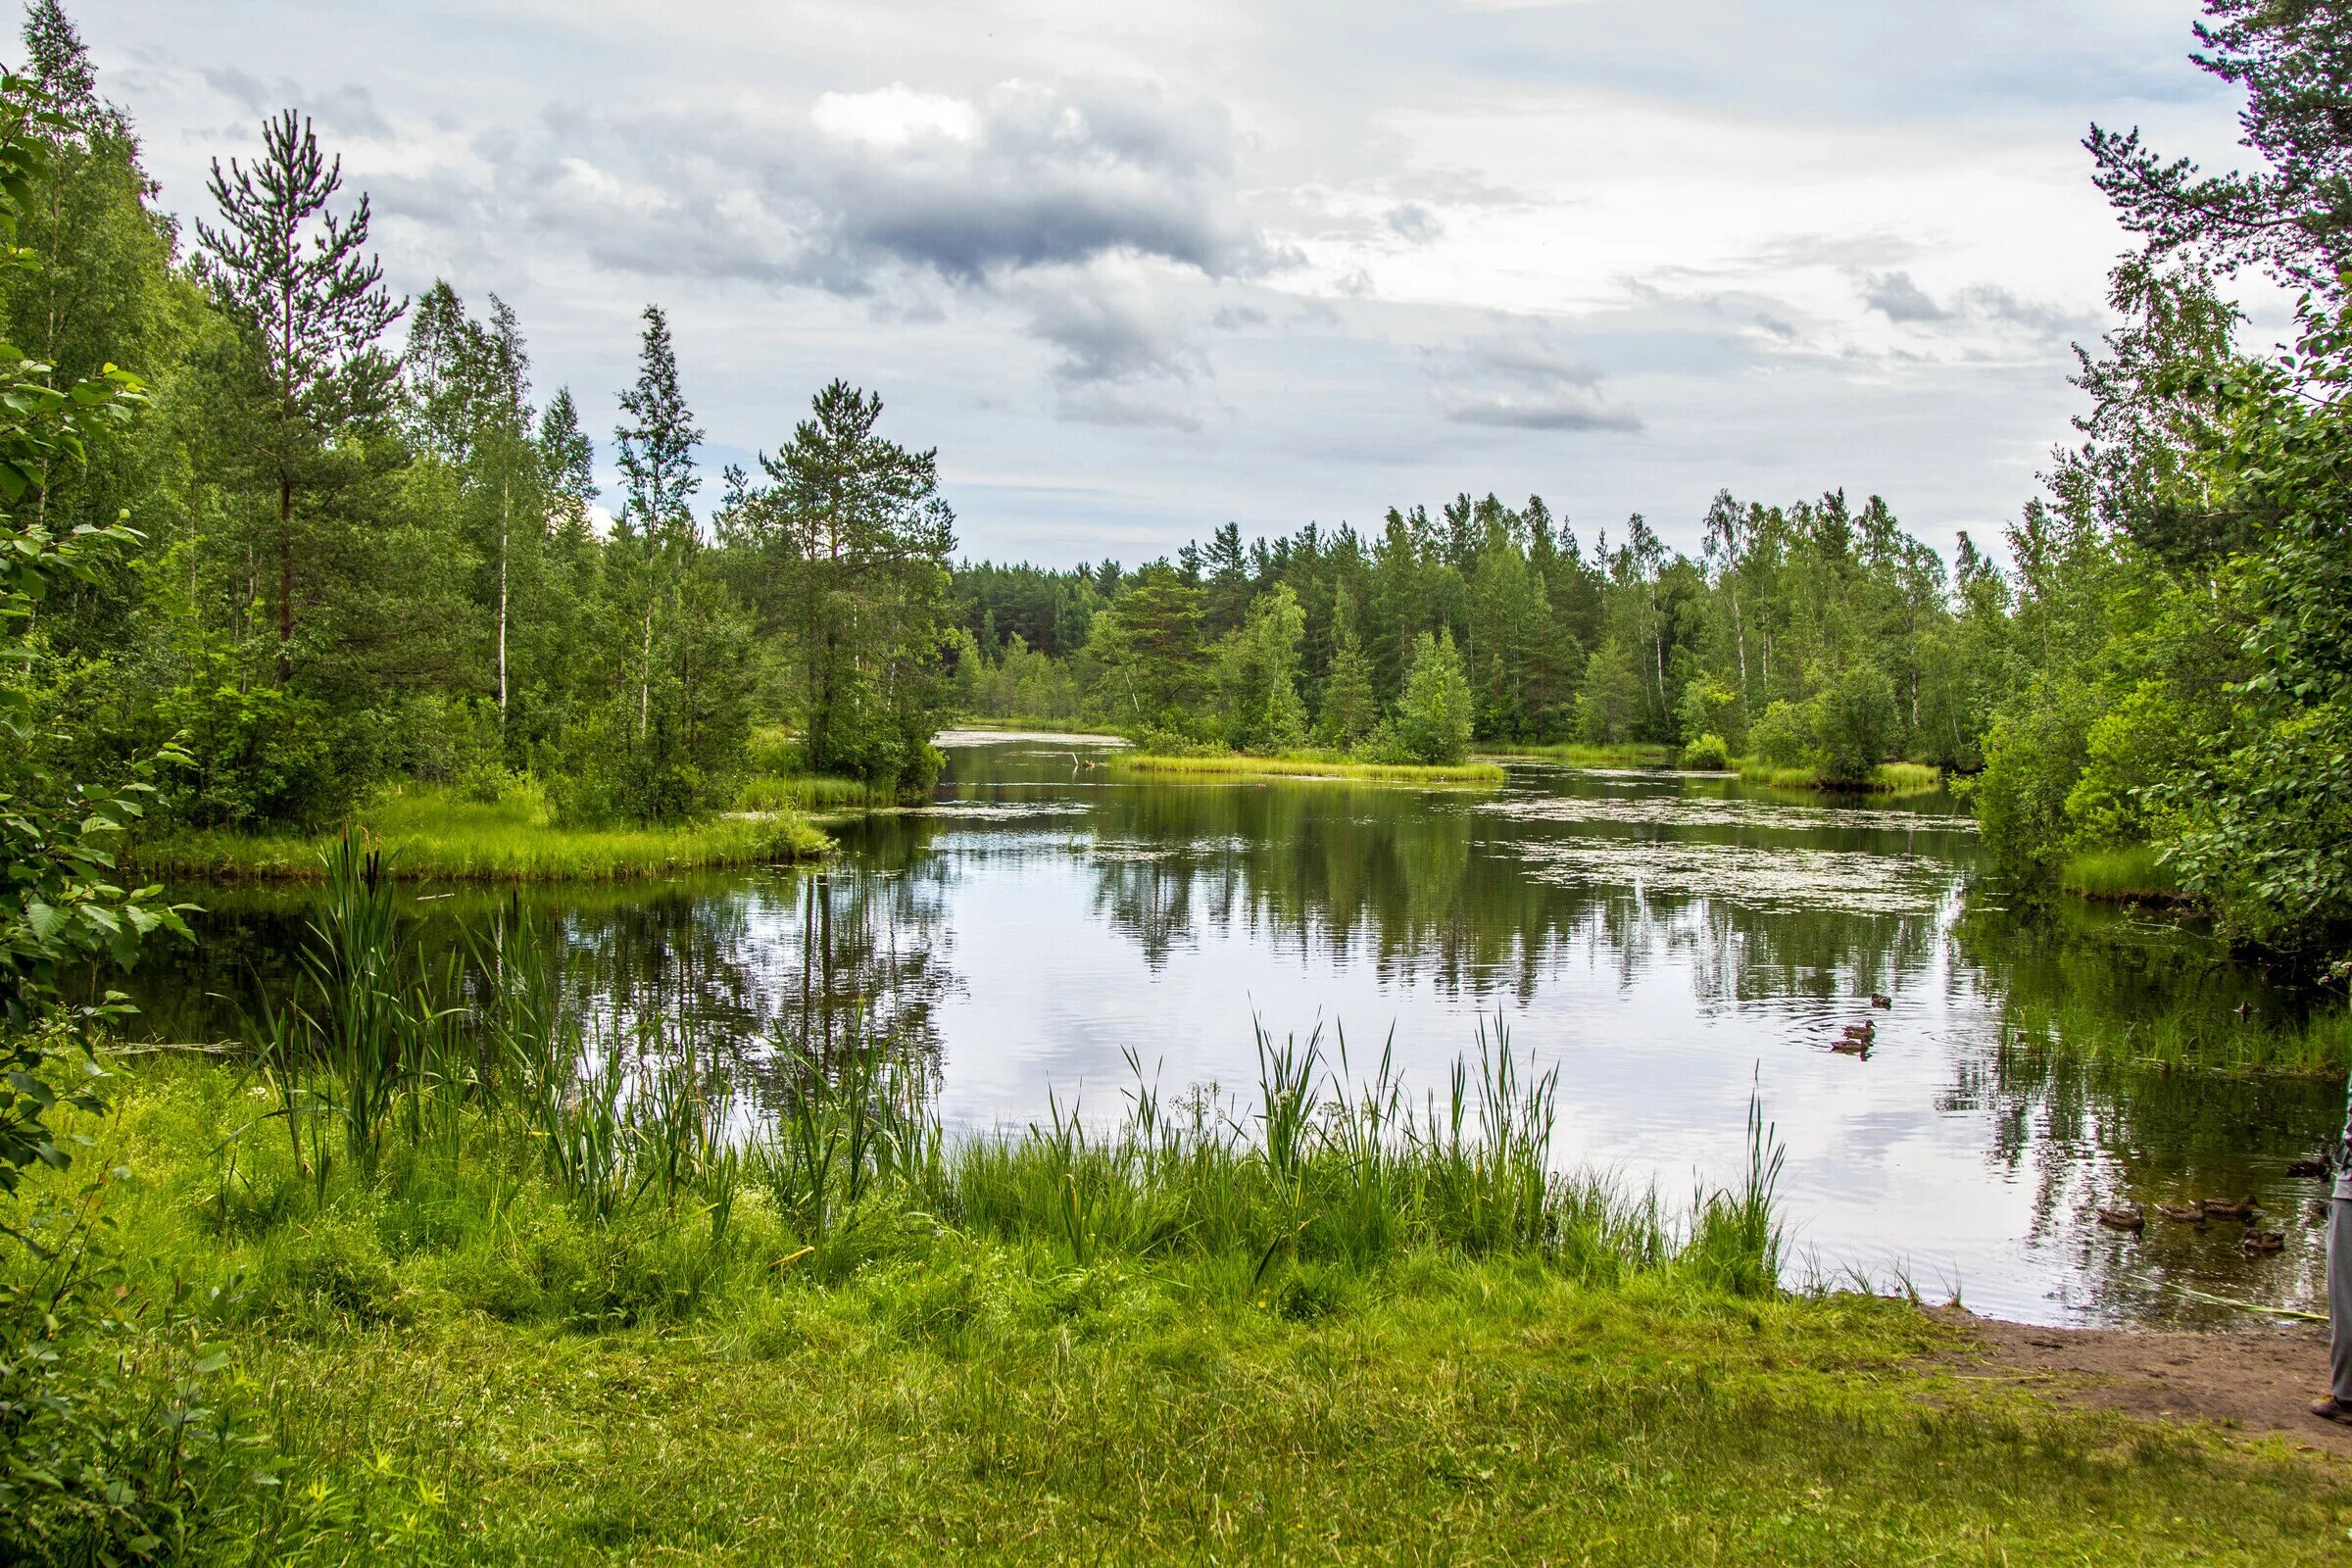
(1671, 942)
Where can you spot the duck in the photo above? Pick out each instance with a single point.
(2182, 1214)
(2223, 1208)
(2315, 1166)
(2257, 1242)
(2124, 1217)
(1862, 1031)
(1881, 999)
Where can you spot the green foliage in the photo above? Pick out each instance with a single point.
(1434, 714)
(1781, 735)
(1710, 751)
(1855, 722)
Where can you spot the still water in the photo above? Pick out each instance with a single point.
(1672, 943)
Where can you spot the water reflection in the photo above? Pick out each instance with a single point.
(1669, 941)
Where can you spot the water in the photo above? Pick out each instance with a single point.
(1673, 942)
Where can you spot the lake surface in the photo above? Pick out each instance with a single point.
(1671, 942)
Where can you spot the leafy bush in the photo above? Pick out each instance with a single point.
(1855, 722)
(1781, 735)
(1707, 751)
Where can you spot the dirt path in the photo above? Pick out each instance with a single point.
(2256, 1380)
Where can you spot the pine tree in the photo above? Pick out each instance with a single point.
(298, 276)
(659, 480)
(1349, 707)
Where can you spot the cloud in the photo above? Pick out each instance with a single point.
(348, 110)
(1415, 223)
(1524, 382)
(1125, 406)
(1896, 297)
(862, 188)
(1114, 321)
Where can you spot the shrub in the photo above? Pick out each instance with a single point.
(1781, 735)
(1707, 751)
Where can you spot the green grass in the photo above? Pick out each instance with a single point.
(1578, 754)
(1308, 765)
(451, 1364)
(1887, 778)
(808, 792)
(432, 834)
(2130, 873)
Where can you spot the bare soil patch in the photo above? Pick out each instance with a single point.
(2258, 1380)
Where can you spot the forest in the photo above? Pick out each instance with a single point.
(339, 544)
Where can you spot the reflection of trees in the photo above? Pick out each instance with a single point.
(2088, 1131)
(807, 960)
(2076, 1107)
(1435, 888)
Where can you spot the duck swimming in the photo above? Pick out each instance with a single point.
(2124, 1217)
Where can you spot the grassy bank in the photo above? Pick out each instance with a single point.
(433, 834)
(1887, 779)
(2129, 874)
(1051, 1350)
(1310, 765)
(808, 792)
(1577, 754)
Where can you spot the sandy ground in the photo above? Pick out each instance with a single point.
(2257, 1380)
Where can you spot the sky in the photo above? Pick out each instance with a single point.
(1139, 269)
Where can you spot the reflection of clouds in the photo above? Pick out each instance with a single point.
(1841, 880)
(1680, 810)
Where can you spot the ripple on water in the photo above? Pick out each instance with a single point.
(1844, 880)
(1682, 810)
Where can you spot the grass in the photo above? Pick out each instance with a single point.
(1310, 765)
(454, 1363)
(2130, 873)
(431, 833)
(1578, 754)
(808, 792)
(1887, 778)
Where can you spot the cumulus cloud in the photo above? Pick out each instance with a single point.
(1524, 382)
(862, 187)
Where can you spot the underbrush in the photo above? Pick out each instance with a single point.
(434, 833)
